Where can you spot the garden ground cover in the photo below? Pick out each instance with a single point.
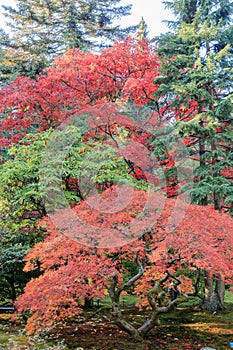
(185, 329)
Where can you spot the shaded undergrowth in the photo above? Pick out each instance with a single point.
(185, 329)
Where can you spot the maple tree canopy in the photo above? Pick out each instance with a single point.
(73, 271)
(77, 79)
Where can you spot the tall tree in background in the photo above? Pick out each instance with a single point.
(142, 31)
(42, 30)
(196, 85)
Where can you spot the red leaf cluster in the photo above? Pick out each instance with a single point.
(73, 270)
(78, 79)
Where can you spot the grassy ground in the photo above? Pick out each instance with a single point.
(184, 329)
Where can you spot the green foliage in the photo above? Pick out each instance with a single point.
(38, 176)
(131, 269)
(42, 30)
(44, 172)
(12, 278)
(14, 245)
(196, 84)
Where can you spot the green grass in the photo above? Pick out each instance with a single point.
(228, 298)
(4, 338)
(126, 300)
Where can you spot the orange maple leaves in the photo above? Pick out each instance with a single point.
(73, 271)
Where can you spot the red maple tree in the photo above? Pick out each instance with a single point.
(83, 254)
(77, 79)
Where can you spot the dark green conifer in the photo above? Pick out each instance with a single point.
(41, 30)
(197, 67)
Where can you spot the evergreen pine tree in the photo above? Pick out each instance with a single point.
(42, 30)
(142, 31)
(196, 82)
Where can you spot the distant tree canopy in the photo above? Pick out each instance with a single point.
(43, 30)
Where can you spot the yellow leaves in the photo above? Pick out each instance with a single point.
(186, 284)
(198, 64)
(122, 135)
(210, 64)
(1, 204)
(208, 31)
(187, 32)
(8, 64)
(12, 151)
(6, 317)
(222, 53)
(27, 108)
(196, 120)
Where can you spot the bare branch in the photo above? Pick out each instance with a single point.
(130, 282)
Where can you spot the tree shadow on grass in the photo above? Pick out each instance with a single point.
(183, 330)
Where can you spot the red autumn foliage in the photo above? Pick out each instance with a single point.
(228, 173)
(87, 244)
(78, 79)
(86, 247)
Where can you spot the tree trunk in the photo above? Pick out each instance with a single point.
(88, 303)
(217, 200)
(152, 321)
(202, 150)
(214, 294)
(121, 322)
